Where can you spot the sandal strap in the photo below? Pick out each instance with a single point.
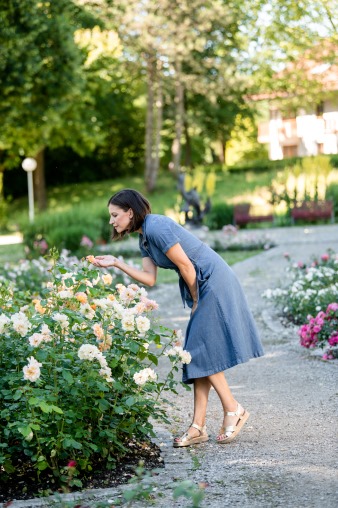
(233, 413)
(195, 426)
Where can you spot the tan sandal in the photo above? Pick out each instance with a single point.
(187, 440)
(231, 431)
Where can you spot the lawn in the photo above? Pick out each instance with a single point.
(230, 188)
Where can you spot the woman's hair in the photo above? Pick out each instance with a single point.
(129, 198)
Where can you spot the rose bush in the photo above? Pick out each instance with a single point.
(79, 374)
(311, 287)
(322, 331)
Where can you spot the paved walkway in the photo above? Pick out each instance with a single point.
(285, 456)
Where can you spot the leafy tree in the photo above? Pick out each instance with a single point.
(43, 88)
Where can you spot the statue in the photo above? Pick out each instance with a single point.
(192, 202)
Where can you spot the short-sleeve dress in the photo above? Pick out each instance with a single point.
(221, 333)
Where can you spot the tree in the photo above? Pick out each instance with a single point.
(43, 88)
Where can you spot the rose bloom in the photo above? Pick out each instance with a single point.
(150, 304)
(140, 307)
(107, 278)
(62, 319)
(98, 331)
(127, 295)
(21, 323)
(65, 294)
(38, 307)
(4, 321)
(128, 323)
(31, 372)
(90, 258)
(36, 339)
(88, 352)
(142, 323)
(111, 297)
(144, 375)
(81, 297)
(45, 331)
(87, 311)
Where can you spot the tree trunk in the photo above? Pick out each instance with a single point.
(157, 137)
(188, 151)
(149, 134)
(39, 181)
(179, 120)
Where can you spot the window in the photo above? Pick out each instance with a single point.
(289, 151)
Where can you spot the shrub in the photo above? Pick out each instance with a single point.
(78, 380)
(311, 289)
(322, 331)
(332, 194)
(65, 230)
(220, 215)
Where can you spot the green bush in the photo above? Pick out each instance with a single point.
(332, 194)
(220, 215)
(73, 230)
(77, 380)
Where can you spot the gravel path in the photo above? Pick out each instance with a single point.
(285, 456)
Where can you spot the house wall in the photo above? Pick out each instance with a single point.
(307, 134)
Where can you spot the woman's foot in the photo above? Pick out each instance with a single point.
(194, 435)
(232, 424)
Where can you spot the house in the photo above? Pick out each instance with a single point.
(311, 130)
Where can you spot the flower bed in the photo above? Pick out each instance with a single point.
(79, 372)
(311, 298)
(230, 238)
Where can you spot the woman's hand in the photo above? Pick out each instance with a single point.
(102, 261)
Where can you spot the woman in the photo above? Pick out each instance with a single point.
(221, 332)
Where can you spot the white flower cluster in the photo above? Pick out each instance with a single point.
(44, 336)
(91, 352)
(21, 323)
(31, 372)
(62, 319)
(144, 375)
(183, 355)
(4, 322)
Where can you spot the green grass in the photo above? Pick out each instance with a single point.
(230, 187)
(11, 253)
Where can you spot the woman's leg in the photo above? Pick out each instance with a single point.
(228, 401)
(201, 393)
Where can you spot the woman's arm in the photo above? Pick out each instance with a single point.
(146, 276)
(177, 255)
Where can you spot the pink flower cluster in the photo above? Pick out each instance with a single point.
(321, 330)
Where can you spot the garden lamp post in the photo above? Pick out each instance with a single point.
(29, 165)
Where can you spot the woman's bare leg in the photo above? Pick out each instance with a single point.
(228, 401)
(201, 393)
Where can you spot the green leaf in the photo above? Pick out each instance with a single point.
(42, 465)
(130, 401)
(56, 409)
(25, 431)
(45, 408)
(67, 376)
(8, 467)
(33, 401)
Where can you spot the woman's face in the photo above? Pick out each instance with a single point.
(119, 218)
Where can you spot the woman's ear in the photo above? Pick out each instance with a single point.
(131, 213)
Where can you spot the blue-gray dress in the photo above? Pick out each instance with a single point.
(221, 333)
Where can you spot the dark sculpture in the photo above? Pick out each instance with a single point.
(192, 202)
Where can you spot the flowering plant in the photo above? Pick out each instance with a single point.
(311, 288)
(322, 331)
(78, 364)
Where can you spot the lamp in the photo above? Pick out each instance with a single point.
(29, 165)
